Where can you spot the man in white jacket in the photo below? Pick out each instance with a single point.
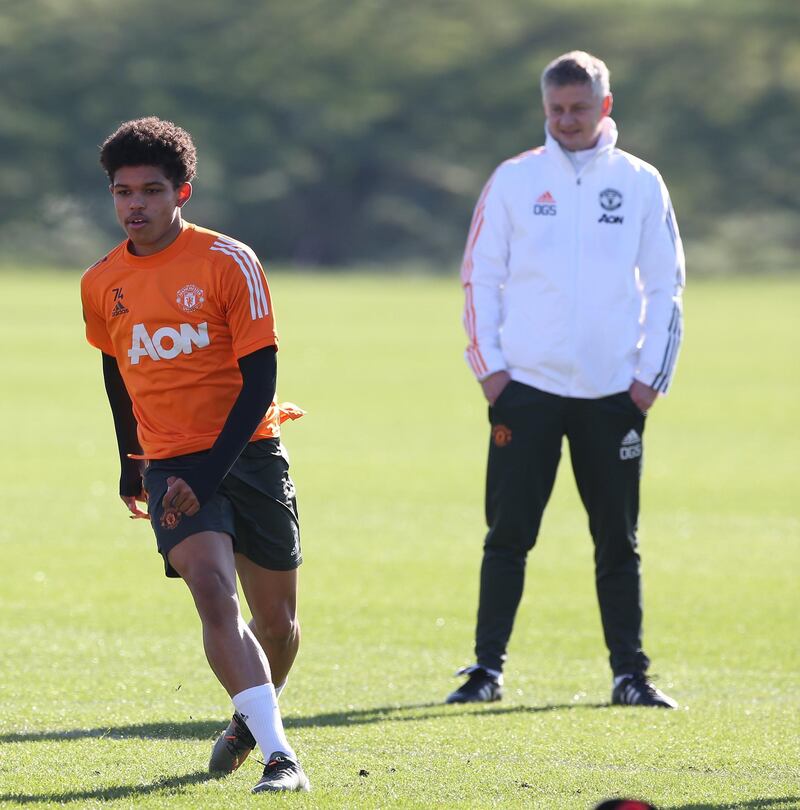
(573, 275)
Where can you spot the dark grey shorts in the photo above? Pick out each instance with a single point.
(255, 504)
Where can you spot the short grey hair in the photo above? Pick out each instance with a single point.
(578, 67)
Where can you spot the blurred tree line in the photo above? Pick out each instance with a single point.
(361, 131)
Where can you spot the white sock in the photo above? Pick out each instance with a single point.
(280, 687)
(618, 679)
(259, 708)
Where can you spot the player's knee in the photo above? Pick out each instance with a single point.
(214, 595)
(278, 626)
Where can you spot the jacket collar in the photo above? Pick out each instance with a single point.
(605, 143)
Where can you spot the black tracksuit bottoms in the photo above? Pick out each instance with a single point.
(605, 444)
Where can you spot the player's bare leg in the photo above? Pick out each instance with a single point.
(272, 598)
(206, 563)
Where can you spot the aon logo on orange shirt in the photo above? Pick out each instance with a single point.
(166, 342)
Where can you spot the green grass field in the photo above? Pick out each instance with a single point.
(105, 695)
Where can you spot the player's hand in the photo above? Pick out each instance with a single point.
(494, 384)
(131, 502)
(180, 497)
(643, 396)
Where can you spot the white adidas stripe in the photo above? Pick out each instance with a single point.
(246, 260)
(632, 696)
(229, 250)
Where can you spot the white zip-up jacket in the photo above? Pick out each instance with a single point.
(573, 281)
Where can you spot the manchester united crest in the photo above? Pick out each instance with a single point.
(170, 519)
(501, 435)
(190, 298)
(610, 199)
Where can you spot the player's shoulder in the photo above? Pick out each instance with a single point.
(102, 266)
(518, 167)
(522, 161)
(528, 156)
(222, 251)
(627, 161)
(220, 248)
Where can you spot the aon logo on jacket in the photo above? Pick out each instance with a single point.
(166, 342)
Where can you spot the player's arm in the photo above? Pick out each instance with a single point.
(484, 270)
(662, 272)
(259, 372)
(130, 479)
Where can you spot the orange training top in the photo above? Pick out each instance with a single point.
(177, 322)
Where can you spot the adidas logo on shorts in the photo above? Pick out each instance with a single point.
(631, 446)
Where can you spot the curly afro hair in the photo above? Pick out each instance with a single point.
(151, 142)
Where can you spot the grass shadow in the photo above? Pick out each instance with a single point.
(119, 792)
(193, 730)
(209, 729)
(424, 711)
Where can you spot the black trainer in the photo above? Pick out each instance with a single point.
(232, 747)
(282, 773)
(480, 687)
(636, 690)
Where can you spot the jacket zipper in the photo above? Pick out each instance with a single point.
(575, 285)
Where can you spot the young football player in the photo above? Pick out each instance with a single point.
(184, 321)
